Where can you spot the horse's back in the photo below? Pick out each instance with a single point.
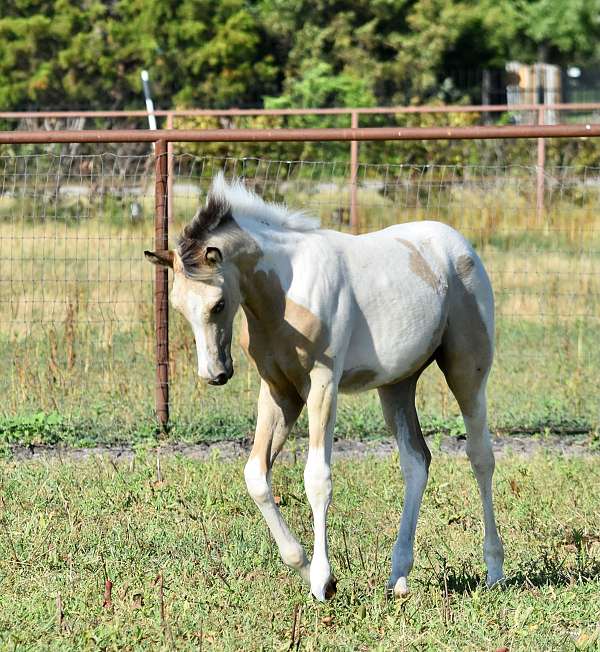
(421, 261)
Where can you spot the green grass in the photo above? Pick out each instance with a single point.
(66, 524)
(107, 395)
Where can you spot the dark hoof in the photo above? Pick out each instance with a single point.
(331, 588)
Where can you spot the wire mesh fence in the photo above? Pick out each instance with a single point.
(76, 318)
(77, 330)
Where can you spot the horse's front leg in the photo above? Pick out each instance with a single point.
(277, 414)
(317, 475)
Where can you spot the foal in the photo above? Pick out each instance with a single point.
(327, 312)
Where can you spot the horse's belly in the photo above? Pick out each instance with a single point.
(394, 343)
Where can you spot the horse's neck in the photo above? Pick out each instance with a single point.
(265, 281)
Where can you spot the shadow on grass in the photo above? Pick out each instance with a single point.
(549, 569)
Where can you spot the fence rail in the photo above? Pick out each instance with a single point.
(445, 193)
(354, 135)
(298, 135)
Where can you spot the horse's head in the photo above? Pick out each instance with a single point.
(206, 287)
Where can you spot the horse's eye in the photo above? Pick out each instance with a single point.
(218, 307)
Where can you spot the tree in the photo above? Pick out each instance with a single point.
(62, 55)
(559, 31)
(59, 54)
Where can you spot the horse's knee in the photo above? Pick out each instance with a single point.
(317, 480)
(293, 556)
(415, 470)
(415, 457)
(256, 480)
(481, 456)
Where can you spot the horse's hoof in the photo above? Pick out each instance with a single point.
(494, 581)
(323, 593)
(401, 588)
(330, 588)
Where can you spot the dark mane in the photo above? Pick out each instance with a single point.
(216, 212)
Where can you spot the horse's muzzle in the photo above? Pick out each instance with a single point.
(221, 379)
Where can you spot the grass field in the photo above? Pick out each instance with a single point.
(67, 526)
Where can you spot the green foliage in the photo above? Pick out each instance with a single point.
(58, 54)
(64, 55)
(568, 29)
(317, 86)
(36, 429)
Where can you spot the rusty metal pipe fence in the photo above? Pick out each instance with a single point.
(163, 177)
(535, 112)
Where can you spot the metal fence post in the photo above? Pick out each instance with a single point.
(170, 174)
(161, 285)
(541, 165)
(353, 177)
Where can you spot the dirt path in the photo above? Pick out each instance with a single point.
(231, 450)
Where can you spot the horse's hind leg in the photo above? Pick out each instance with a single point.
(481, 456)
(465, 358)
(398, 403)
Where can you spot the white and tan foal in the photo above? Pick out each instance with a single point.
(327, 312)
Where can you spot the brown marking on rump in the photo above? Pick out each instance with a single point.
(284, 339)
(356, 378)
(464, 266)
(419, 266)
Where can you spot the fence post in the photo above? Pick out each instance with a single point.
(353, 177)
(541, 165)
(161, 285)
(170, 175)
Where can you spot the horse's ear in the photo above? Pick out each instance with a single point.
(213, 256)
(162, 257)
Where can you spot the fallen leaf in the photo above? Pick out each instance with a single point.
(138, 600)
(327, 620)
(586, 640)
(514, 487)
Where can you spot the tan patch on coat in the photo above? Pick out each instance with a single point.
(177, 264)
(283, 338)
(464, 266)
(419, 266)
(244, 335)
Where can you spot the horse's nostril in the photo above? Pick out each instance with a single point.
(221, 379)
